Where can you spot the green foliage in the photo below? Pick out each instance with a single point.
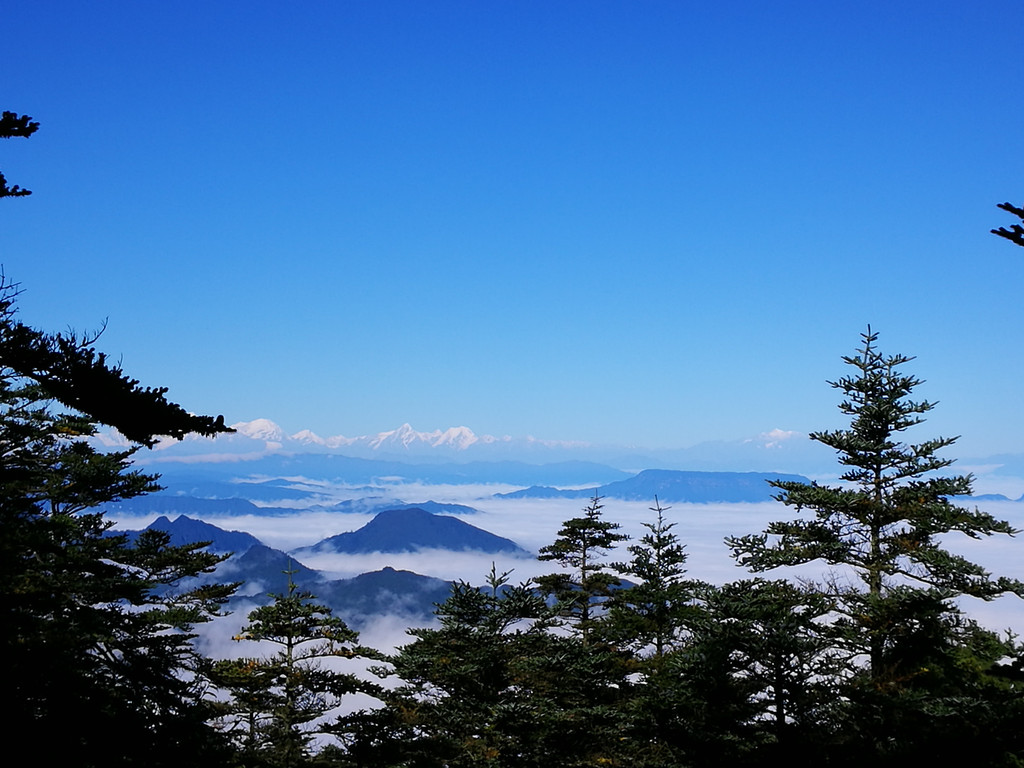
(884, 524)
(653, 613)
(945, 687)
(783, 654)
(95, 636)
(933, 683)
(752, 680)
(580, 546)
(494, 686)
(276, 702)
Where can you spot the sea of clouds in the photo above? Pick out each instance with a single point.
(534, 523)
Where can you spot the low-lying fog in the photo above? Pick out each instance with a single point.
(535, 523)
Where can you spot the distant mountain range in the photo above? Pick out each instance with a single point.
(264, 465)
(774, 451)
(264, 571)
(279, 474)
(183, 497)
(674, 486)
(280, 484)
(169, 503)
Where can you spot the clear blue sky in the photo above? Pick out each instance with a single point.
(654, 223)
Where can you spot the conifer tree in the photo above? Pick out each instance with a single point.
(884, 524)
(653, 612)
(919, 679)
(581, 544)
(493, 686)
(652, 620)
(277, 702)
(95, 634)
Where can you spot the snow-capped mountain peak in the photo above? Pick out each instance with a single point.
(404, 437)
(260, 429)
(457, 437)
(774, 450)
(308, 437)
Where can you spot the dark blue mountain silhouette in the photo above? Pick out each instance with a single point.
(697, 487)
(186, 530)
(385, 592)
(986, 497)
(374, 505)
(264, 572)
(411, 529)
(673, 486)
(546, 492)
(171, 504)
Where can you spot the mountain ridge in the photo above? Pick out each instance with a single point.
(264, 571)
(775, 450)
(672, 486)
(411, 529)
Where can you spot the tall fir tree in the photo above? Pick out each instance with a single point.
(651, 615)
(885, 524)
(580, 546)
(493, 686)
(650, 622)
(910, 650)
(278, 703)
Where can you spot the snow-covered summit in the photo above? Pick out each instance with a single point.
(268, 435)
(773, 450)
(261, 437)
(260, 429)
(458, 438)
(309, 437)
(404, 436)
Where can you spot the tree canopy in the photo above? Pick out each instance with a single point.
(886, 522)
(580, 545)
(95, 637)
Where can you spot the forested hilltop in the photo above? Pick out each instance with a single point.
(618, 657)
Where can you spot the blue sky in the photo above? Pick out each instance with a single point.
(653, 223)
